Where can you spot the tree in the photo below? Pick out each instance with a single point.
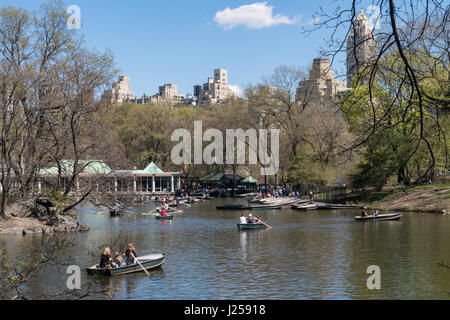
(417, 33)
(48, 82)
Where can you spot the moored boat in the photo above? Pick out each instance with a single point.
(311, 206)
(149, 262)
(380, 217)
(265, 206)
(336, 206)
(234, 206)
(242, 226)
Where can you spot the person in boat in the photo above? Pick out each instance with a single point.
(116, 206)
(250, 219)
(163, 212)
(242, 219)
(129, 253)
(118, 261)
(364, 212)
(105, 259)
(258, 219)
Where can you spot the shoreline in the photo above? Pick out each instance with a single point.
(25, 226)
(422, 199)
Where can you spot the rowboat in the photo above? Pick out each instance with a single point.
(115, 212)
(242, 226)
(265, 207)
(380, 217)
(169, 211)
(166, 217)
(304, 207)
(234, 206)
(149, 262)
(335, 206)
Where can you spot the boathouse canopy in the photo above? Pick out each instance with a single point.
(150, 179)
(249, 180)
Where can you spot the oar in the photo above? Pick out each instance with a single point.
(265, 223)
(139, 263)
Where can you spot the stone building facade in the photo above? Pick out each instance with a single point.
(361, 46)
(321, 85)
(119, 92)
(216, 89)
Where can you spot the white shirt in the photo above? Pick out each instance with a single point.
(242, 220)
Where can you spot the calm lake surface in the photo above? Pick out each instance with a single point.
(306, 255)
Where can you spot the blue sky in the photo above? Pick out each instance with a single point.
(157, 42)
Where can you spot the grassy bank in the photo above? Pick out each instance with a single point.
(424, 198)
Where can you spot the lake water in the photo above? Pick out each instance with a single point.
(306, 255)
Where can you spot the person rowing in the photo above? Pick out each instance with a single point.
(130, 253)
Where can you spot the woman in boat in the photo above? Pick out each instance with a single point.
(163, 212)
(105, 259)
(364, 212)
(130, 254)
(242, 219)
(118, 261)
(250, 218)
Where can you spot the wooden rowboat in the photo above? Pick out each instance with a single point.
(265, 207)
(149, 262)
(242, 226)
(235, 206)
(380, 217)
(304, 207)
(166, 217)
(115, 212)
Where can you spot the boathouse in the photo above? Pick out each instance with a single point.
(150, 180)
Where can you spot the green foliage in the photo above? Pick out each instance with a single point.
(59, 199)
(395, 133)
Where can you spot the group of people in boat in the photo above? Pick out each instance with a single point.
(249, 219)
(163, 209)
(119, 260)
(365, 214)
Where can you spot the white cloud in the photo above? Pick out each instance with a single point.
(253, 16)
(314, 21)
(237, 91)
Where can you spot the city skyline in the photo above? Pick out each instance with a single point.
(181, 42)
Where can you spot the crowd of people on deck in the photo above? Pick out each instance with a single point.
(119, 260)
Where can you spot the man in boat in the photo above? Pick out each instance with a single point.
(130, 254)
(105, 259)
(116, 206)
(250, 218)
(163, 212)
(242, 219)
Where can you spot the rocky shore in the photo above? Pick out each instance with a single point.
(427, 198)
(39, 216)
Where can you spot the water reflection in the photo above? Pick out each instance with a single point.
(306, 255)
